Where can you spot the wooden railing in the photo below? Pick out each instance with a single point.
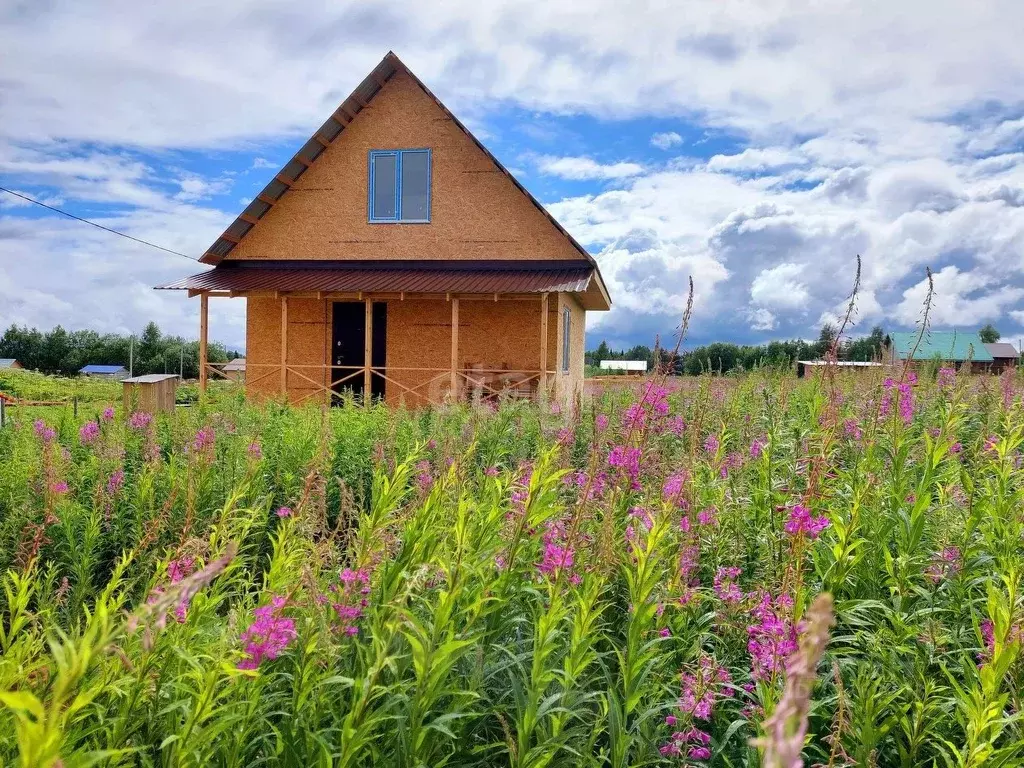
(433, 386)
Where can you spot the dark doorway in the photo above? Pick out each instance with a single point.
(348, 346)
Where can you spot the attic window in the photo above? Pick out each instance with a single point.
(399, 186)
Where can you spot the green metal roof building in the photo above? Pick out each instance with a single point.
(952, 346)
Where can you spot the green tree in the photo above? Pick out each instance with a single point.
(989, 334)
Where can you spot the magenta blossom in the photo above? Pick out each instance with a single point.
(44, 432)
(255, 451)
(802, 522)
(108, 413)
(268, 636)
(140, 420)
(89, 432)
(115, 481)
(284, 512)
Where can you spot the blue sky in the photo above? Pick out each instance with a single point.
(758, 149)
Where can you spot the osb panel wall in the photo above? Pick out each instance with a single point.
(308, 340)
(476, 211)
(492, 335)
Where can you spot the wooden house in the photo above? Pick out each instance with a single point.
(10, 363)
(955, 349)
(1004, 356)
(394, 255)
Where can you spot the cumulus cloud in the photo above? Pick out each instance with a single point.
(780, 287)
(583, 168)
(755, 160)
(666, 140)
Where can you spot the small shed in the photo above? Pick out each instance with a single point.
(118, 372)
(628, 367)
(235, 370)
(9, 362)
(152, 393)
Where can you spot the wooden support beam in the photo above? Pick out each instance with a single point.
(204, 312)
(455, 350)
(543, 345)
(247, 218)
(287, 182)
(230, 238)
(321, 140)
(368, 353)
(266, 199)
(304, 161)
(342, 116)
(284, 346)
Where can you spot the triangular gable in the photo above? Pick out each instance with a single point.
(335, 125)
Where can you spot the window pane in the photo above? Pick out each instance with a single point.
(384, 177)
(415, 186)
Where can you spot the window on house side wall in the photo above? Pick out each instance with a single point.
(565, 339)
(399, 189)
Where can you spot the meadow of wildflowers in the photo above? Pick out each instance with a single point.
(755, 571)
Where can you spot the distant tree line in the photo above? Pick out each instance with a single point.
(59, 351)
(724, 357)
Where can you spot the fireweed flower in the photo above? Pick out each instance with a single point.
(852, 429)
(626, 460)
(60, 487)
(44, 432)
(557, 554)
(423, 477)
(491, 472)
(711, 444)
(89, 432)
(725, 585)
(108, 414)
(352, 601)
(708, 517)
(115, 481)
(802, 522)
(284, 512)
(601, 422)
(945, 564)
(990, 444)
(255, 451)
(204, 439)
(140, 420)
(176, 571)
(772, 639)
(757, 446)
(672, 490)
(268, 636)
(946, 378)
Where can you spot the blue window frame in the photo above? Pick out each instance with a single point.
(399, 186)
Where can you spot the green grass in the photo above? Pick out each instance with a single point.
(525, 586)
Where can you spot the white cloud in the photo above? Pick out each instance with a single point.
(583, 168)
(761, 319)
(666, 140)
(755, 160)
(780, 287)
(262, 162)
(961, 299)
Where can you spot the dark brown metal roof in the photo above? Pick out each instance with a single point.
(392, 277)
(1001, 349)
(328, 132)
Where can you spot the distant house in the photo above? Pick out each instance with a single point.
(234, 370)
(117, 372)
(9, 362)
(1003, 356)
(952, 348)
(628, 367)
(394, 257)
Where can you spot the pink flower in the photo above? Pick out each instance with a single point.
(115, 481)
(801, 522)
(757, 446)
(699, 753)
(255, 451)
(43, 432)
(601, 422)
(89, 432)
(140, 420)
(268, 636)
(711, 444)
(673, 487)
(60, 487)
(708, 517)
(665, 632)
(491, 472)
(284, 512)
(423, 477)
(725, 585)
(108, 413)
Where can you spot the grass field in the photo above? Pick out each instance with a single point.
(742, 572)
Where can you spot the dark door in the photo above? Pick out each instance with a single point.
(348, 346)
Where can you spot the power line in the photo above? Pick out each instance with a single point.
(94, 224)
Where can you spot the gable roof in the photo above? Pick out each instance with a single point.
(955, 346)
(1002, 349)
(322, 138)
(102, 369)
(7, 362)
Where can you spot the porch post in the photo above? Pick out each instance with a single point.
(368, 352)
(455, 349)
(284, 346)
(543, 381)
(204, 311)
